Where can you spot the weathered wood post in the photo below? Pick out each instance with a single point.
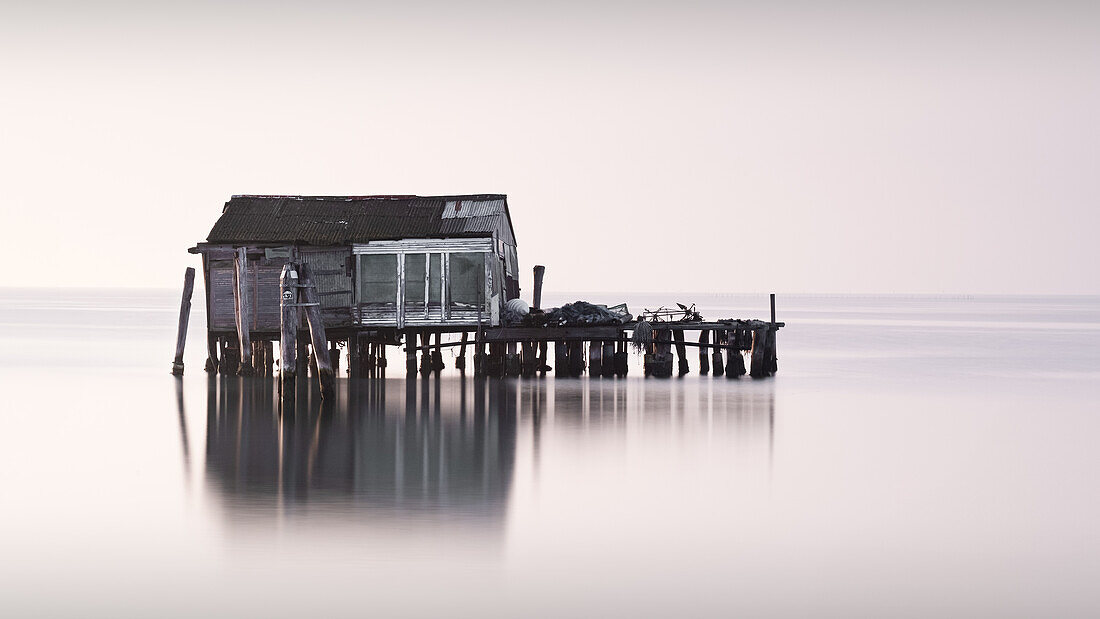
(758, 362)
(716, 354)
(735, 361)
(622, 357)
(460, 362)
(536, 296)
(242, 301)
(542, 357)
(437, 354)
(425, 353)
(529, 363)
(410, 354)
(561, 359)
(773, 364)
(704, 354)
(308, 291)
(185, 315)
(288, 329)
(576, 358)
(354, 362)
(608, 355)
(595, 358)
(681, 353)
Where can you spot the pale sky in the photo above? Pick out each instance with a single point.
(644, 146)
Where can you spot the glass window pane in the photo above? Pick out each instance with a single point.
(467, 271)
(435, 282)
(414, 281)
(378, 279)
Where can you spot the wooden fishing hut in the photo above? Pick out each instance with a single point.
(384, 270)
(324, 273)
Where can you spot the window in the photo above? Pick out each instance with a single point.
(467, 272)
(378, 279)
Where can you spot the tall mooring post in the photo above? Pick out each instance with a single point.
(185, 314)
(243, 302)
(307, 292)
(288, 330)
(536, 296)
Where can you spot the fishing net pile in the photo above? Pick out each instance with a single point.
(578, 314)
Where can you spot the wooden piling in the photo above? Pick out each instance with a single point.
(185, 315)
(437, 355)
(716, 353)
(735, 361)
(308, 292)
(704, 355)
(425, 353)
(410, 353)
(212, 352)
(242, 303)
(561, 360)
(269, 358)
(608, 355)
(576, 358)
(681, 352)
(622, 357)
(542, 358)
(758, 359)
(460, 362)
(536, 297)
(529, 362)
(595, 358)
(288, 329)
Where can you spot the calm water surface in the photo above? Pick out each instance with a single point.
(914, 457)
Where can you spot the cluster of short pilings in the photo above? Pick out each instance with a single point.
(721, 350)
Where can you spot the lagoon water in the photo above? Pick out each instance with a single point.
(914, 457)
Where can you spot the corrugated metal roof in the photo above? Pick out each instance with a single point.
(327, 220)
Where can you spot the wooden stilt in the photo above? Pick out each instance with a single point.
(437, 356)
(576, 358)
(704, 354)
(716, 354)
(334, 357)
(425, 353)
(269, 358)
(542, 358)
(354, 367)
(410, 353)
(681, 352)
(211, 352)
(460, 362)
(758, 359)
(622, 358)
(529, 362)
(608, 355)
(242, 303)
(316, 330)
(595, 358)
(561, 360)
(185, 315)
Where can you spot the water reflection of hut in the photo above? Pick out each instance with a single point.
(407, 452)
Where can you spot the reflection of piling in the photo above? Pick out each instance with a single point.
(185, 314)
